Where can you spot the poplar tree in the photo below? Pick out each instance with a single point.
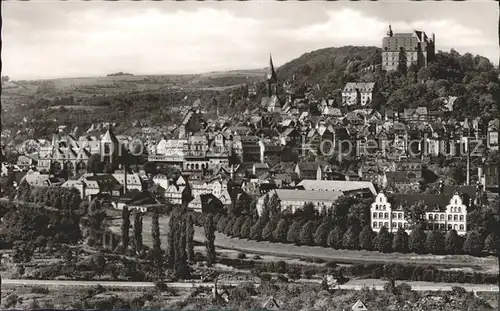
(125, 228)
(210, 239)
(138, 231)
(189, 237)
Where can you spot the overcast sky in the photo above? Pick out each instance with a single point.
(78, 39)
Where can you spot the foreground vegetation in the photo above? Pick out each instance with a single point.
(247, 297)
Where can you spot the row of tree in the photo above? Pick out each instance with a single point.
(354, 237)
(60, 198)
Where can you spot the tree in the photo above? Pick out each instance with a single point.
(453, 243)
(155, 234)
(274, 205)
(256, 230)
(221, 224)
(417, 239)
(351, 238)
(490, 244)
(210, 239)
(245, 229)
(238, 225)
(365, 238)
(321, 235)
(435, 242)
(415, 214)
(99, 263)
(335, 237)
(307, 233)
(281, 231)
(293, 234)
(138, 231)
(94, 220)
(177, 255)
(189, 237)
(267, 232)
(125, 227)
(402, 61)
(150, 168)
(384, 241)
(228, 230)
(400, 241)
(474, 243)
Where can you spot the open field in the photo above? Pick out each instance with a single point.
(85, 86)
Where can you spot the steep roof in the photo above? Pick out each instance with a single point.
(305, 195)
(337, 185)
(431, 201)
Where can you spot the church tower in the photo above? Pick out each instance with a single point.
(390, 33)
(272, 79)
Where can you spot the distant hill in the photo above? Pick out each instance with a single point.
(120, 74)
(330, 67)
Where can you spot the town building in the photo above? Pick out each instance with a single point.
(442, 211)
(358, 93)
(293, 200)
(418, 47)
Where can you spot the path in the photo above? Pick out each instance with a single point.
(351, 285)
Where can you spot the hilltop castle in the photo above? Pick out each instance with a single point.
(419, 48)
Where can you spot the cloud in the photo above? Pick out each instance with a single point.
(351, 27)
(82, 39)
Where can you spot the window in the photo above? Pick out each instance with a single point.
(394, 225)
(461, 227)
(386, 215)
(455, 217)
(436, 217)
(374, 215)
(430, 216)
(376, 206)
(380, 215)
(406, 225)
(400, 215)
(374, 224)
(461, 217)
(449, 217)
(455, 227)
(400, 225)
(459, 209)
(380, 224)
(393, 215)
(442, 216)
(450, 227)
(386, 224)
(441, 226)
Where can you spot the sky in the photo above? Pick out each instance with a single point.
(51, 39)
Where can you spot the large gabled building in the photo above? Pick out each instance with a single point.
(418, 47)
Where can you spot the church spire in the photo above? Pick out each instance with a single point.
(271, 74)
(390, 33)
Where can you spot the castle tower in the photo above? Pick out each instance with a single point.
(272, 79)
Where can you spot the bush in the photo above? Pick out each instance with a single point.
(11, 300)
(331, 264)
(39, 290)
(242, 256)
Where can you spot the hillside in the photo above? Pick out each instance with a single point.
(471, 78)
(330, 67)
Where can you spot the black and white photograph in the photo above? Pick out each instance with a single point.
(250, 155)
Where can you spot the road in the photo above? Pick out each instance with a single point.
(325, 253)
(352, 285)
